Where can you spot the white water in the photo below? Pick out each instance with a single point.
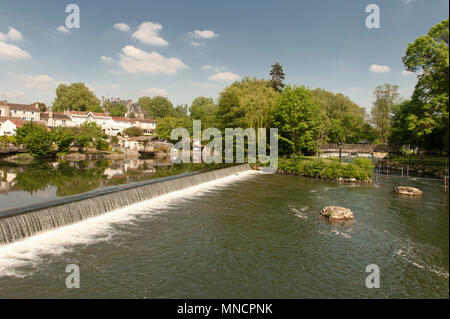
(33, 250)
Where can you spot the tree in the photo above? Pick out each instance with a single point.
(298, 119)
(386, 99)
(343, 120)
(246, 103)
(167, 124)
(63, 137)
(133, 131)
(42, 107)
(86, 133)
(277, 77)
(157, 107)
(118, 110)
(428, 55)
(180, 110)
(75, 97)
(36, 139)
(203, 108)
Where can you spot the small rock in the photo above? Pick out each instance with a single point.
(409, 191)
(336, 213)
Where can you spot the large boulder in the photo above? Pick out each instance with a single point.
(336, 213)
(409, 191)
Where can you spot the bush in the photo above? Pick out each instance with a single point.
(101, 145)
(133, 131)
(36, 139)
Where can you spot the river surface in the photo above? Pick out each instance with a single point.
(246, 236)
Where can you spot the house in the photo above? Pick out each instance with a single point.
(27, 112)
(9, 125)
(55, 119)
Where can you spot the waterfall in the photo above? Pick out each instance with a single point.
(28, 221)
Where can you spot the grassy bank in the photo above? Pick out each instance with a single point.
(361, 169)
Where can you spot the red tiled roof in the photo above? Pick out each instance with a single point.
(17, 121)
(56, 115)
(100, 114)
(22, 107)
(77, 113)
(124, 119)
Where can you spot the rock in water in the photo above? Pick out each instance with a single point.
(406, 190)
(336, 213)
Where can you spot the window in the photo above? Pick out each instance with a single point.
(63, 122)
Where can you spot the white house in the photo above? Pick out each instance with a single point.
(9, 125)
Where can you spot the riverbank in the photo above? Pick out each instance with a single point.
(359, 171)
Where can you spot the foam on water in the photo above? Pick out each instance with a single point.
(32, 250)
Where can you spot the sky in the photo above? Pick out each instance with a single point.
(185, 49)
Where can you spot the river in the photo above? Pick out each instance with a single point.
(247, 236)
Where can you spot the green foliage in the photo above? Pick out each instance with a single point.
(6, 140)
(76, 97)
(117, 110)
(360, 168)
(245, 104)
(298, 118)
(42, 107)
(343, 120)
(277, 77)
(63, 137)
(101, 145)
(157, 107)
(133, 131)
(167, 124)
(36, 139)
(114, 140)
(203, 109)
(180, 110)
(87, 133)
(386, 101)
(424, 121)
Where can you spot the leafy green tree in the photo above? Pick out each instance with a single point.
(203, 108)
(428, 55)
(118, 110)
(75, 97)
(298, 119)
(42, 106)
(167, 124)
(133, 131)
(180, 110)
(157, 107)
(63, 137)
(246, 103)
(343, 120)
(88, 132)
(277, 77)
(36, 138)
(386, 99)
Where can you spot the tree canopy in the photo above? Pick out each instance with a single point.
(277, 77)
(75, 97)
(156, 107)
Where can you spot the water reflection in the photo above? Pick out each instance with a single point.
(75, 177)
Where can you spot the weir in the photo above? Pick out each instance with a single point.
(16, 224)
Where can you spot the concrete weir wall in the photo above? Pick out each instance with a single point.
(16, 224)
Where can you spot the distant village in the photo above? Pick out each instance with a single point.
(13, 115)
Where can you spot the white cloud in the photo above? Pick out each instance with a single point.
(135, 60)
(40, 81)
(205, 34)
(122, 26)
(204, 85)
(215, 68)
(196, 43)
(406, 73)
(63, 29)
(13, 35)
(156, 92)
(225, 77)
(106, 59)
(12, 52)
(379, 68)
(13, 94)
(406, 2)
(148, 32)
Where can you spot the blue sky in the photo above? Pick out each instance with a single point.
(185, 49)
